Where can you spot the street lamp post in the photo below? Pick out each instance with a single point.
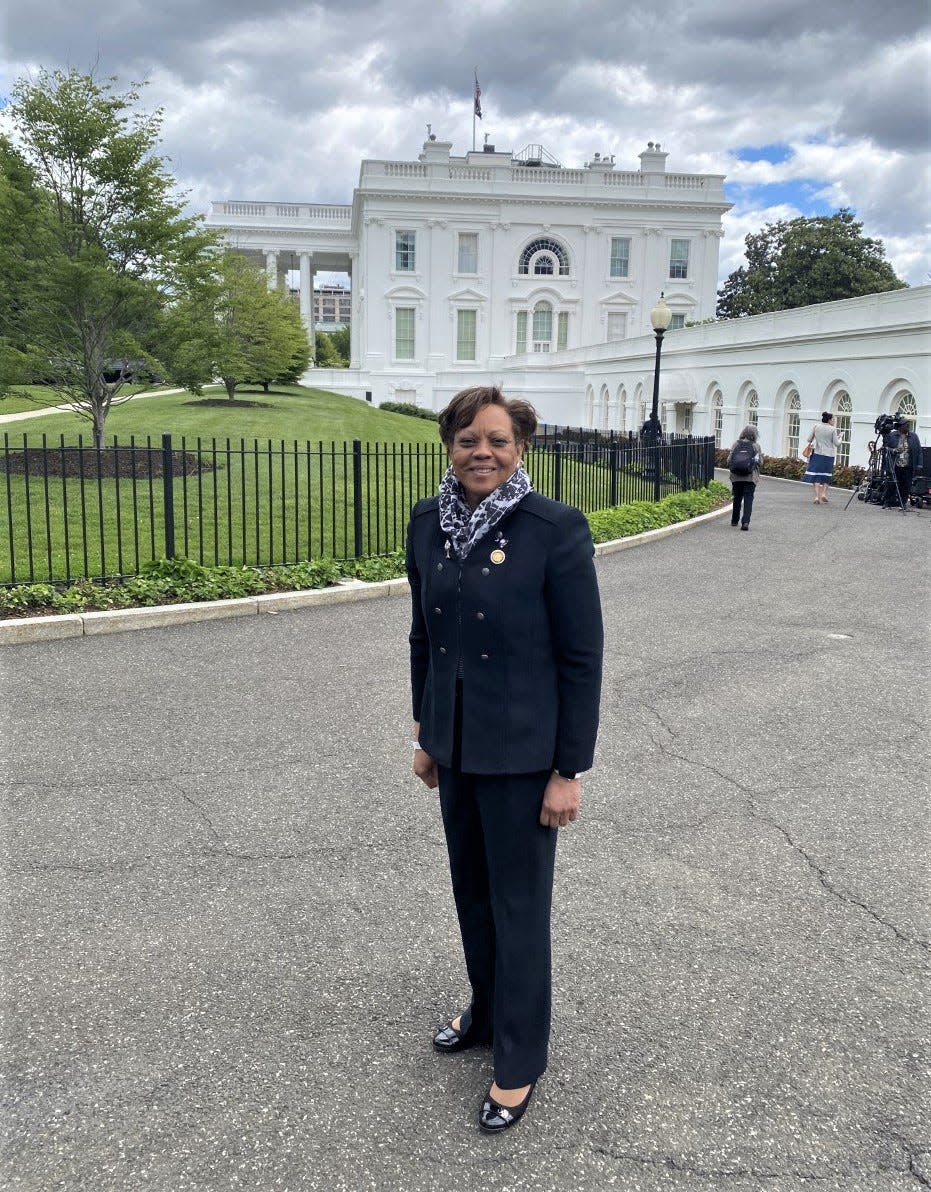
(660, 318)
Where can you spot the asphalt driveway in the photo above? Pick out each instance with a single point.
(228, 931)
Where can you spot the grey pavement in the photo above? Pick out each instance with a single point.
(228, 931)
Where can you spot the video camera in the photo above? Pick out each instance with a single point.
(889, 422)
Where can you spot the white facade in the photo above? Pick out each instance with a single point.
(459, 264)
(858, 358)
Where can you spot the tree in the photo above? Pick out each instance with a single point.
(326, 354)
(232, 326)
(800, 262)
(115, 243)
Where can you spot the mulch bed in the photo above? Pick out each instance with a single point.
(108, 463)
(236, 403)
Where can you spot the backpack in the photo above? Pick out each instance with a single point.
(743, 457)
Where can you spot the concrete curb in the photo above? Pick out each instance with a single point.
(15, 631)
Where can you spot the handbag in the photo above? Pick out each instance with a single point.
(806, 451)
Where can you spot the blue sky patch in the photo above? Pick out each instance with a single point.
(777, 153)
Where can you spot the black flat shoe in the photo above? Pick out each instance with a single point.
(494, 1117)
(448, 1039)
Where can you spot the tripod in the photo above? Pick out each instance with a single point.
(879, 479)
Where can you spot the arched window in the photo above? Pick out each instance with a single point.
(622, 409)
(717, 417)
(907, 405)
(605, 401)
(793, 427)
(753, 408)
(843, 408)
(545, 257)
(542, 327)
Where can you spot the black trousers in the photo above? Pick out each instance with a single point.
(903, 479)
(743, 493)
(502, 860)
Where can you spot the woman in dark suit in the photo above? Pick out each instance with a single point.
(506, 649)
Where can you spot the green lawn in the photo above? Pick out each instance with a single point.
(38, 397)
(273, 484)
(288, 413)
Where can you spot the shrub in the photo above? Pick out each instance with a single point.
(639, 516)
(412, 411)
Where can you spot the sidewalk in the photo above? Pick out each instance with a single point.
(41, 411)
(229, 931)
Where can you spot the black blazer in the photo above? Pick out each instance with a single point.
(524, 635)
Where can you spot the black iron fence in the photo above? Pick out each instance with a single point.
(82, 512)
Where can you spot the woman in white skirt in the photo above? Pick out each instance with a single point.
(825, 440)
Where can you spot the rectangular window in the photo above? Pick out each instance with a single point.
(405, 251)
(542, 327)
(679, 258)
(521, 345)
(465, 334)
(562, 330)
(676, 322)
(404, 333)
(842, 423)
(793, 432)
(468, 252)
(620, 256)
(617, 324)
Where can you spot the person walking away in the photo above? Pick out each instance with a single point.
(819, 473)
(743, 463)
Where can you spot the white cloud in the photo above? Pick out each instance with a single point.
(283, 105)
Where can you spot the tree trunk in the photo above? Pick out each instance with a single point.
(230, 387)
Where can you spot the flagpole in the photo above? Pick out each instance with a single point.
(473, 110)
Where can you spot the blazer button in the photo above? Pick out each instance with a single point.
(439, 566)
(484, 658)
(442, 649)
(480, 616)
(486, 571)
(438, 610)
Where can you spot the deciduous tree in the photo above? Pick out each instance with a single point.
(233, 327)
(115, 243)
(803, 261)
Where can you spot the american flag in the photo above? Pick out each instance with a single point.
(478, 98)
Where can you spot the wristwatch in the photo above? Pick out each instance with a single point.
(570, 774)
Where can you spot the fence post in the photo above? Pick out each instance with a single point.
(357, 495)
(168, 489)
(557, 471)
(612, 462)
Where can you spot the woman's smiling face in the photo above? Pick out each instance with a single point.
(485, 453)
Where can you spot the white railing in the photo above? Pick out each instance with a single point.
(685, 181)
(620, 178)
(539, 174)
(309, 212)
(404, 169)
(469, 174)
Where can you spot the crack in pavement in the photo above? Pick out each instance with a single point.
(835, 891)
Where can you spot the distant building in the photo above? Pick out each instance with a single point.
(459, 265)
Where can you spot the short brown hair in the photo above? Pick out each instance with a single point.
(464, 407)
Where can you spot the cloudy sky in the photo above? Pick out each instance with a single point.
(806, 106)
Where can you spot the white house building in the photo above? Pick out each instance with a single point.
(512, 269)
(457, 264)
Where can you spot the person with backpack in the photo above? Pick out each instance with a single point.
(744, 466)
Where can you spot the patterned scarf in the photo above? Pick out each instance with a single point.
(465, 526)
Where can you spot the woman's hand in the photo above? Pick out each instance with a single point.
(424, 765)
(561, 801)
(425, 769)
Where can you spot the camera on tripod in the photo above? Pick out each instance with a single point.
(886, 423)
